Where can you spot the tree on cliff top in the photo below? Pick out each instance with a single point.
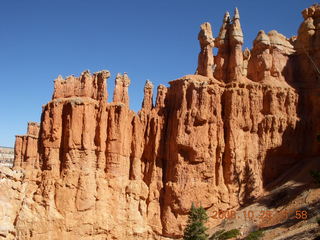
(196, 229)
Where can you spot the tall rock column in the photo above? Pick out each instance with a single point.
(161, 95)
(120, 93)
(221, 60)
(307, 46)
(147, 103)
(194, 148)
(307, 58)
(205, 59)
(153, 157)
(235, 68)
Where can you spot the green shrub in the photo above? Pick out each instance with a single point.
(229, 234)
(224, 235)
(196, 229)
(316, 176)
(318, 220)
(255, 235)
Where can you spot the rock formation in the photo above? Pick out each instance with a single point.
(222, 43)
(205, 59)
(26, 148)
(217, 138)
(13, 193)
(236, 42)
(229, 60)
(120, 94)
(147, 103)
(269, 59)
(87, 85)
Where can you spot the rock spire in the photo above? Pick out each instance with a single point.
(120, 93)
(147, 103)
(205, 59)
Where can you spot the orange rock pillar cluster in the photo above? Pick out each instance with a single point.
(217, 138)
(228, 63)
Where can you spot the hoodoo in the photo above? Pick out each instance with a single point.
(205, 60)
(97, 170)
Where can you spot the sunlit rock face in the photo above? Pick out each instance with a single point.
(97, 170)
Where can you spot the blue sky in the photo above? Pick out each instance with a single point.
(156, 40)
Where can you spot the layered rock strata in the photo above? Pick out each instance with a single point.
(217, 138)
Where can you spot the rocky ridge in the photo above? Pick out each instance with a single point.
(98, 170)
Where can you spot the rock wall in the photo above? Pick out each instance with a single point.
(217, 138)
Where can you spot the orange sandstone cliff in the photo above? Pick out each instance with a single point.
(98, 170)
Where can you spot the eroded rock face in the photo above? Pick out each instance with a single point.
(270, 58)
(217, 138)
(220, 137)
(12, 195)
(86, 85)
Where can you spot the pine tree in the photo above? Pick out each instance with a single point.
(196, 229)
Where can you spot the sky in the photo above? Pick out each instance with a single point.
(148, 39)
